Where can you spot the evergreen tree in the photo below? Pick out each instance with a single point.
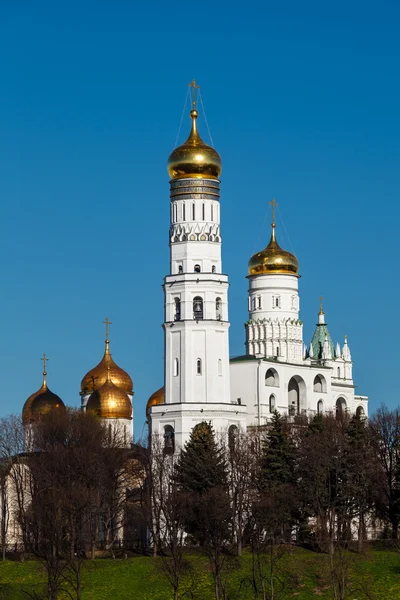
(278, 460)
(201, 465)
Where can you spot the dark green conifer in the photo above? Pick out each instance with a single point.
(201, 465)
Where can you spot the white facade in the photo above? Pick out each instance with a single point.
(320, 382)
(278, 372)
(196, 325)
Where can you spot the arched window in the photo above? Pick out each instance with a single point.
(320, 407)
(198, 366)
(271, 378)
(233, 433)
(177, 315)
(218, 309)
(176, 367)
(219, 367)
(294, 395)
(360, 412)
(319, 384)
(338, 372)
(169, 439)
(213, 269)
(341, 406)
(180, 269)
(197, 269)
(198, 308)
(271, 403)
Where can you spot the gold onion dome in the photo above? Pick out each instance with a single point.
(41, 403)
(110, 402)
(157, 398)
(194, 158)
(97, 376)
(273, 260)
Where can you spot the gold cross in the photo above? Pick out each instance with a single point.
(321, 308)
(273, 204)
(107, 322)
(44, 359)
(194, 87)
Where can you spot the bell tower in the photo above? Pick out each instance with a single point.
(196, 325)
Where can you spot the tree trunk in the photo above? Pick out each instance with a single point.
(360, 532)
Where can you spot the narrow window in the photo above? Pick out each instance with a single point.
(204, 212)
(277, 351)
(177, 314)
(193, 212)
(233, 433)
(176, 367)
(320, 407)
(213, 269)
(220, 367)
(338, 371)
(259, 301)
(169, 439)
(198, 366)
(197, 268)
(180, 269)
(271, 403)
(253, 303)
(183, 212)
(198, 308)
(212, 212)
(277, 302)
(218, 309)
(175, 213)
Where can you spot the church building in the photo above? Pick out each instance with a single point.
(278, 372)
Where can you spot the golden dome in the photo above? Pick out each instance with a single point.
(41, 403)
(157, 398)
(273, 260)
(110, 402)
(194, 158)
(97, 377)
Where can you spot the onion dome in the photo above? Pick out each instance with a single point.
(110, 401)
(97, 377)
(194, 158)
(273, 260)
(42, 402)
(157, 398)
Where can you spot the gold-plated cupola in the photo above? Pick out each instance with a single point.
(273, 260)
(194, 158)
(42, 402)
(97, 376)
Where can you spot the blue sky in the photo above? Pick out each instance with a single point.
(303, 102)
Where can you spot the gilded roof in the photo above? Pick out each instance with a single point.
(156, 398)
(41, 403)
(273, 260)
(110, 402)
(194, 158)
(97, 376)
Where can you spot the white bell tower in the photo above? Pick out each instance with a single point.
(196, 325)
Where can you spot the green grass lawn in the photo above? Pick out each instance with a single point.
(139, 578)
